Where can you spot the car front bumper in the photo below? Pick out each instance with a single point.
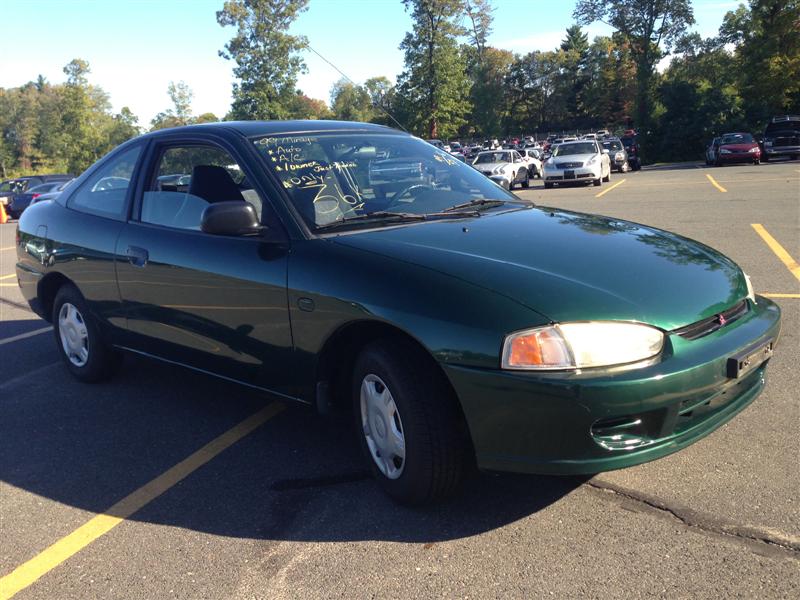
(771, 151)
(599, 420)
(581, 174)
(738, 157)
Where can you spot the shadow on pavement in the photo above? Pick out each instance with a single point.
(297, 477)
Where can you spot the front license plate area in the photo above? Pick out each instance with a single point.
(744, 362)
(569, 174)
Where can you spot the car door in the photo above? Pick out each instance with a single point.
(212, 302)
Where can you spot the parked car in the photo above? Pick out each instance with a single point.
(20, 185)
(505, 167)
(533, 158)
(577, 162)
(19, 202)
(603, 133)
(372, 272)
(617, 155)
(711, 151)
(736, 148)
(437, 143)
(782, 138)
(53, 194)
(631, 143)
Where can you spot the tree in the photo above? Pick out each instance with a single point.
(575, 47)
(350, 102)
(649, 26)
(304, 107)
(266, 58)
(433, 87)
(767, 39)
(181, 111)
(479, 13)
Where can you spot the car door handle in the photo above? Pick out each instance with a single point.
(137, 256)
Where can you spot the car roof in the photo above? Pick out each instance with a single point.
(258, 128)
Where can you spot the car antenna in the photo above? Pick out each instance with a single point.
(390, 115)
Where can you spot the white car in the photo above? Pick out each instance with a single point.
(532, 156)
(574, 162)
(505, 167)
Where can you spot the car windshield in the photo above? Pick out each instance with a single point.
(493, 157)
(782, 126)
(737, 138)
(613, 146)
(569, 149)
(338, 177)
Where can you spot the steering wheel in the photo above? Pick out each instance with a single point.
(408, 190)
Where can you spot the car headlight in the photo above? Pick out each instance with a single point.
(724, 151)
(751, 295)
(591, 161)
(754, 149)
(619, 156)
(581, 345)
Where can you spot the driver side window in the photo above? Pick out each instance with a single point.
(190, 178)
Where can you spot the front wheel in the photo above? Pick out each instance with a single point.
(526, 183)
(408, 422)
(607, 178)
(597, 182)
(83, 350)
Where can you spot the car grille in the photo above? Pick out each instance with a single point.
(569, 165)
(786, 141)
(704, 327)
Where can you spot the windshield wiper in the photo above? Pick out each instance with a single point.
(482, 202)
(378, 215)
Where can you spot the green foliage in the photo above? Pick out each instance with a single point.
(650, 27)
(59, 128)
(433, 89)
(267, 64)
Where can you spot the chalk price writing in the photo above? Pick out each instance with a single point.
(288, 141)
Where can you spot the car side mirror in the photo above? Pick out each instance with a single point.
(230, 218)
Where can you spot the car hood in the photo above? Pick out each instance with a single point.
(581, 158)
(491, 166)
(571, 266)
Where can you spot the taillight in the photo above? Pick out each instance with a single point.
(35, 196)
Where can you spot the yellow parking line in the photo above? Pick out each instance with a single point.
(780, 295)
(8, 276)
(715, 184)
(779, 250)
(29, 572)
(605, 191)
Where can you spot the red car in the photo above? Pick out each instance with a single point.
(738, 147)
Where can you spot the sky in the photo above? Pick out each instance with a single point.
(136, 47)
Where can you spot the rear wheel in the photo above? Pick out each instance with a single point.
(526, 183)
(87, 356)
(409, 424)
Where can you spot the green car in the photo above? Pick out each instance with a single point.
(352, 267)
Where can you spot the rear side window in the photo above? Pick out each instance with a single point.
(104, 193)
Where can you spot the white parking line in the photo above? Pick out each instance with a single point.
(22, 336)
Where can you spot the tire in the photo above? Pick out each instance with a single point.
(607, 178)
(598, 182)
(87, 356)
(548, 186)
(756, 162)
(526, 183)
(423, 415)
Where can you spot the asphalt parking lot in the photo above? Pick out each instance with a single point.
(163, 483)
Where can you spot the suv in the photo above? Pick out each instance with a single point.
(20, 185)
(631, 143)
(782, 138)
